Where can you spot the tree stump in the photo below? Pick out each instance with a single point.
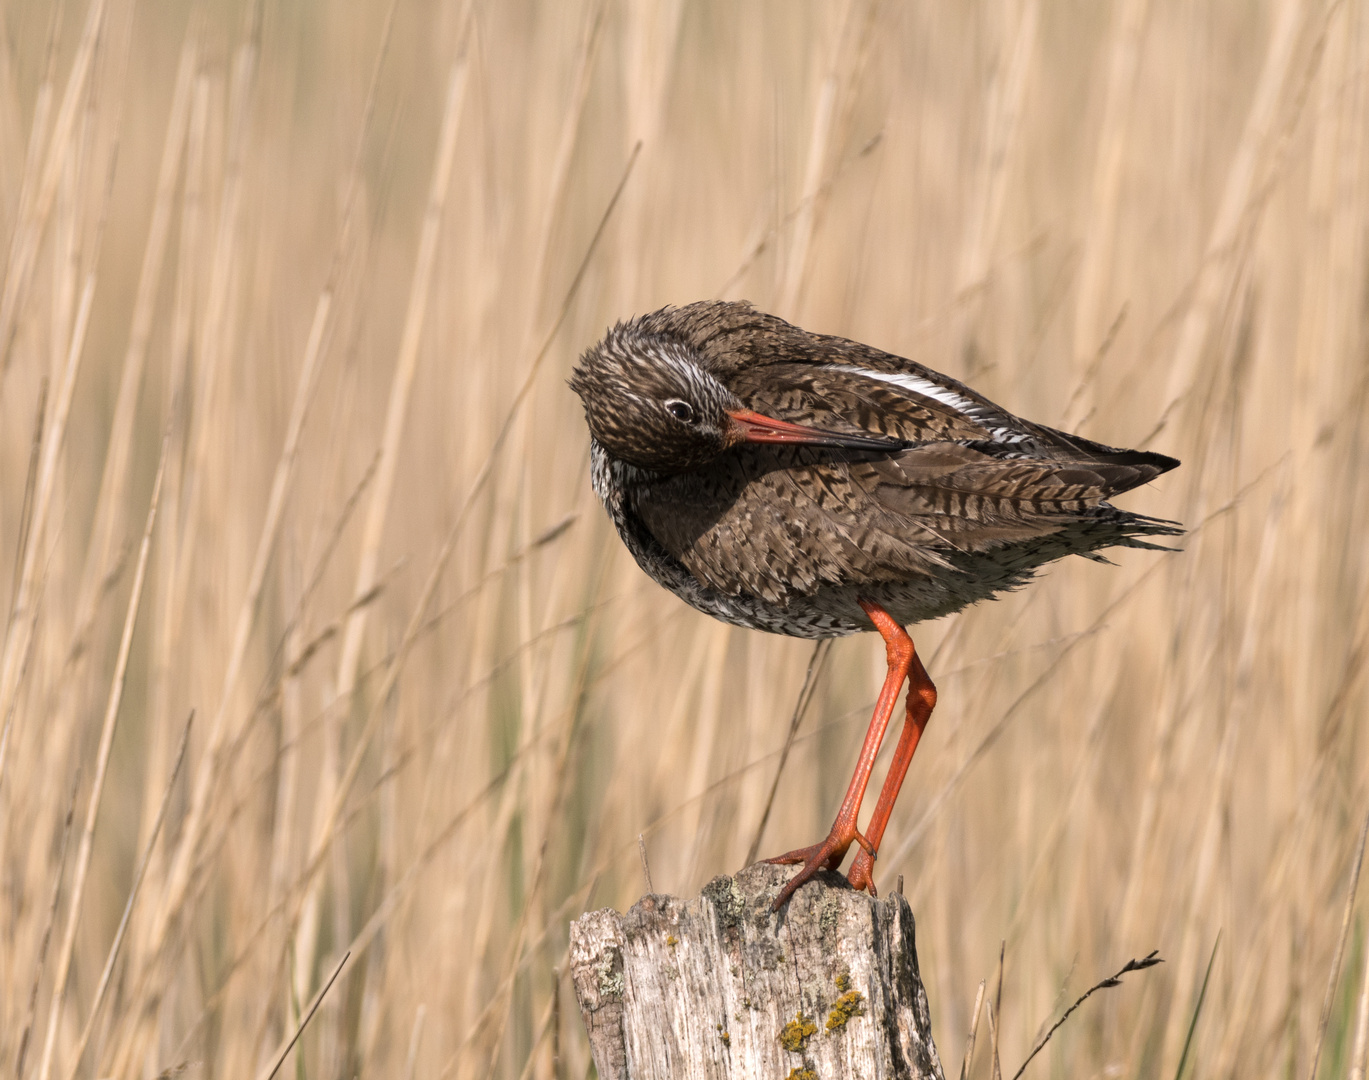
(721, 988)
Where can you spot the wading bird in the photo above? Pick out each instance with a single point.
(814, 486)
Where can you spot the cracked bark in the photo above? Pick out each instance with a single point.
(720, 988)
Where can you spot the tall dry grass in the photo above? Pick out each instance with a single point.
(323, 269)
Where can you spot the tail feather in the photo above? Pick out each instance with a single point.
(1127, 529)
(1132, 467)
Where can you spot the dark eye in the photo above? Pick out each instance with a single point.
(681, 410)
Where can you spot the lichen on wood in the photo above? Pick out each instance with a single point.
(794, 1035)
(851, 1003)
(722, 988)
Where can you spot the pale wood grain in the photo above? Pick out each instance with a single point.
(704, 988)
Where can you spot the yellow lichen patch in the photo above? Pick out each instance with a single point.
(795, 1034)
(672, 941)
(848, 1005)
(804, 1073)
(843, 982)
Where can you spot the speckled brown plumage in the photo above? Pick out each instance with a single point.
(968, 503)
(796, 482)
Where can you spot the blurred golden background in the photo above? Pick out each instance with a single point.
(310, 278)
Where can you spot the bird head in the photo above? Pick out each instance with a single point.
(651, 402)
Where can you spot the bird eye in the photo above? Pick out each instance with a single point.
(681, 410)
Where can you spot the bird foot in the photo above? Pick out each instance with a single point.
(862, 872)
(824, 856)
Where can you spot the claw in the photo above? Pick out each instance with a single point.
(825, 856)
(861, 875)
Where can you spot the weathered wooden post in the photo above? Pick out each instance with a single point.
(721, 988)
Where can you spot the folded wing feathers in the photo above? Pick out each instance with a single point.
(980, 478)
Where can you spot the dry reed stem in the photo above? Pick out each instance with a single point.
(108, 971)
(1113, 980)
(1333, 979)
(1288, 845)
(997, 729)
(554, 207)
(810, 677)
(83, 853)
(176, 409)
(505, 812)
(21, 547)
(505, 998)
(28, 235)
(382, 489)
(1084, 772)
(1100, 236)
(646, 867)
(33, 155)
(1157, 770)
(400, 387)
(1215, 279)
(30, 485)
(805, 221)
(113, 492)
(544, 1028)
(968, 1060)
(996, 1016)
(434, 575)
(364, 937)
(48, 924)
(210, 349)
(11, 122)
(1200, 901)
(1359, 1055)
(308, 1014)
(284, 474)
(1002, 124)
(24, 608)
(415, 1040)
(405, 367)
(763, 242)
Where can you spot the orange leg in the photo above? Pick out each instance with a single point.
(829, 854)
(921, 702)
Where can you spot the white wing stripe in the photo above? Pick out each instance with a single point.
(917, 385)
(928, 389)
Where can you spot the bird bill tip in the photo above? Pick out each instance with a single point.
(748, 426)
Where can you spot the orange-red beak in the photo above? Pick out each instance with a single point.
(748, 426)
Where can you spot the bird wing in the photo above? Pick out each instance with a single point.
(974, 500)
(831, 381)
(915, 404)
(775, 522)
(843, 385)
(905, 400)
